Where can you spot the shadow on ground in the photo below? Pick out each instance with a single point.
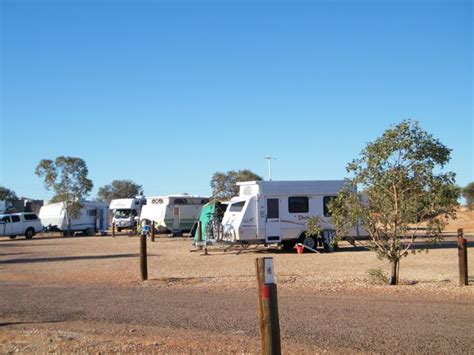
(68, 258)
(6, 324)
(260, 249)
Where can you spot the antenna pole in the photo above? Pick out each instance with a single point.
(269, 159)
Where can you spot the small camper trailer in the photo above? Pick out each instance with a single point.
(93, 218)
(277, 212)
(175, 213)
(126, 211)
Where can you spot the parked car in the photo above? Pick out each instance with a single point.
(14, 224)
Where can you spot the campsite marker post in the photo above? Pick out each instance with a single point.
(462, 254)
(113, 229)
(268, 306)
(199, 235)
(143, 257)
(152, 231)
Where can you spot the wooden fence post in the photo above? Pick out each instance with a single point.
(113, 229)
(143, 257)
(152, 231)
(199, 236)
(462, 254)
(268, 306)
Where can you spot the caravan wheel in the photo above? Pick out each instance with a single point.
(310, 242)
(89, 231)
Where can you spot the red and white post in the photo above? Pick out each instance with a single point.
(268, 306)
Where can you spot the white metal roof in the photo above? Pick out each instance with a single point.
(297, 187)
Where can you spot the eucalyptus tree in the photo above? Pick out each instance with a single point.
(67, 177)
(119, 189)
(404, 192)
(468, 194)
(7, 194)
(224, 184)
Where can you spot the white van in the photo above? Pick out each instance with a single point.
(126, 211)
(14, 224)
(277, 211)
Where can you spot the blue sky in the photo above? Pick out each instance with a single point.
(168, 92)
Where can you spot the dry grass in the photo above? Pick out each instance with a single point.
(464, 219)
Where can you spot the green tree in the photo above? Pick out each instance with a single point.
(468, 194)
(7, 194)
(405, 192)
(224, 184)
(119, 189)
(67, 177)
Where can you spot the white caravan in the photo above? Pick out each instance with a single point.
(93, 218)
(277, 212)
(175, 213)
(126, 211)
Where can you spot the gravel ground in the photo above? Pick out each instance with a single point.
(171, 263)
(84, 294)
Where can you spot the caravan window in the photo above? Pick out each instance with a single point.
(92, 213)
(298, 204)
(326, 200)
(180, 201)
(237, 207)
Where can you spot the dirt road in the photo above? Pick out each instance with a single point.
(309, 321)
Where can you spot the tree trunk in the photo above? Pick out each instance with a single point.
(68, 220)
(394, 271)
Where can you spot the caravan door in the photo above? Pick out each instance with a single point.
(176, 219)
(273, 223)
